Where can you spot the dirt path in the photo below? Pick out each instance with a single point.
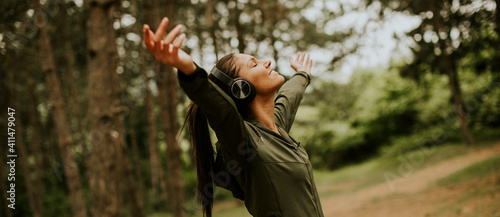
(410, 195)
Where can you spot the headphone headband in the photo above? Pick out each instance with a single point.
(222, 76)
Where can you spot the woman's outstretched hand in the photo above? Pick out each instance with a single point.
(301, 62)
(167, 50)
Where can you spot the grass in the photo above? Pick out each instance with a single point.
(480, 201)
(461, 179)
(477, 170)
(239, 211)
(372, 172)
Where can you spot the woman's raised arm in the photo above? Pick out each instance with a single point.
(290, 94)
(167, 50)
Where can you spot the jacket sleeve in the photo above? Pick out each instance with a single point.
(221, 112)
(288, 99)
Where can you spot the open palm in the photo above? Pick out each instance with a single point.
(168, 50)
(301, 62)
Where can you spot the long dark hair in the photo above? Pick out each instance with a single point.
(203, 151)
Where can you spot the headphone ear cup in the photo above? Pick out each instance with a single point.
(242, 91)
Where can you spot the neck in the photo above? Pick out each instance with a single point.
(261, 109)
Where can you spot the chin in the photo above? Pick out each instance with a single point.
(282, 78)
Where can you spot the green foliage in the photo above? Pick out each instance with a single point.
(190, 182)
(56, 201)
(426, 138)
(390, 115)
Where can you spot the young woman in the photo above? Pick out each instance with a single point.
(251, 110)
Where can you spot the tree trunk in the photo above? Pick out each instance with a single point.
(239, 31)
(275, 52)
(128, 177)
(167, 89)
(153, 17)
(154, 162)
(4, 168)
(23, 156)
(167, 92)
(451, 70)
(156, 170)
(75, 105)
(132, 132)
(137, 162)
(104, 114)
(496, 64)
(65, 142)
(36, 139)
(497, 17)
(210, 25)
(70, 74)
(3, 178)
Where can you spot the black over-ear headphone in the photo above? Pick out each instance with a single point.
(241, 90)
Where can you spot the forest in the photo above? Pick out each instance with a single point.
(95, 125)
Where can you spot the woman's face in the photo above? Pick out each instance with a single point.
(259, 73)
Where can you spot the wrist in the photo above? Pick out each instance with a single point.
(303, 70)
(305, 74)
(189, 69)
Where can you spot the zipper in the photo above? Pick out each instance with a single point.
(292, 144)
(309, 172)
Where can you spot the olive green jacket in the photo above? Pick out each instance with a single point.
(270, 172)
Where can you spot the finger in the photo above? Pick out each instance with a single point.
(301, 60)
(173, 34)
(309, 66)
(178, 41)
(161, 30)
(307, 59)
(158, 46)
(148, 38)
(145, 35)
(292, 62)
(297, 57)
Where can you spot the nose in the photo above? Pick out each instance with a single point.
(267, 63)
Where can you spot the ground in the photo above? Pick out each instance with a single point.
(417, 194)
(413, 187)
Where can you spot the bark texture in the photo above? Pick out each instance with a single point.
(167, 93)
(104, 114)
(34, 120)
(64, 140)
(450, 69)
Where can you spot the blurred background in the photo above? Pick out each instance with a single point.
(402, 117)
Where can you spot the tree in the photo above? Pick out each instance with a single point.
(168, 102)
(444, 44)
(449, 30)
(156, 170)
(34, 122)
(65, 142)
(23, 153)
(167, 94)
(105, 123)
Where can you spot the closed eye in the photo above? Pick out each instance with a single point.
(252, 62)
